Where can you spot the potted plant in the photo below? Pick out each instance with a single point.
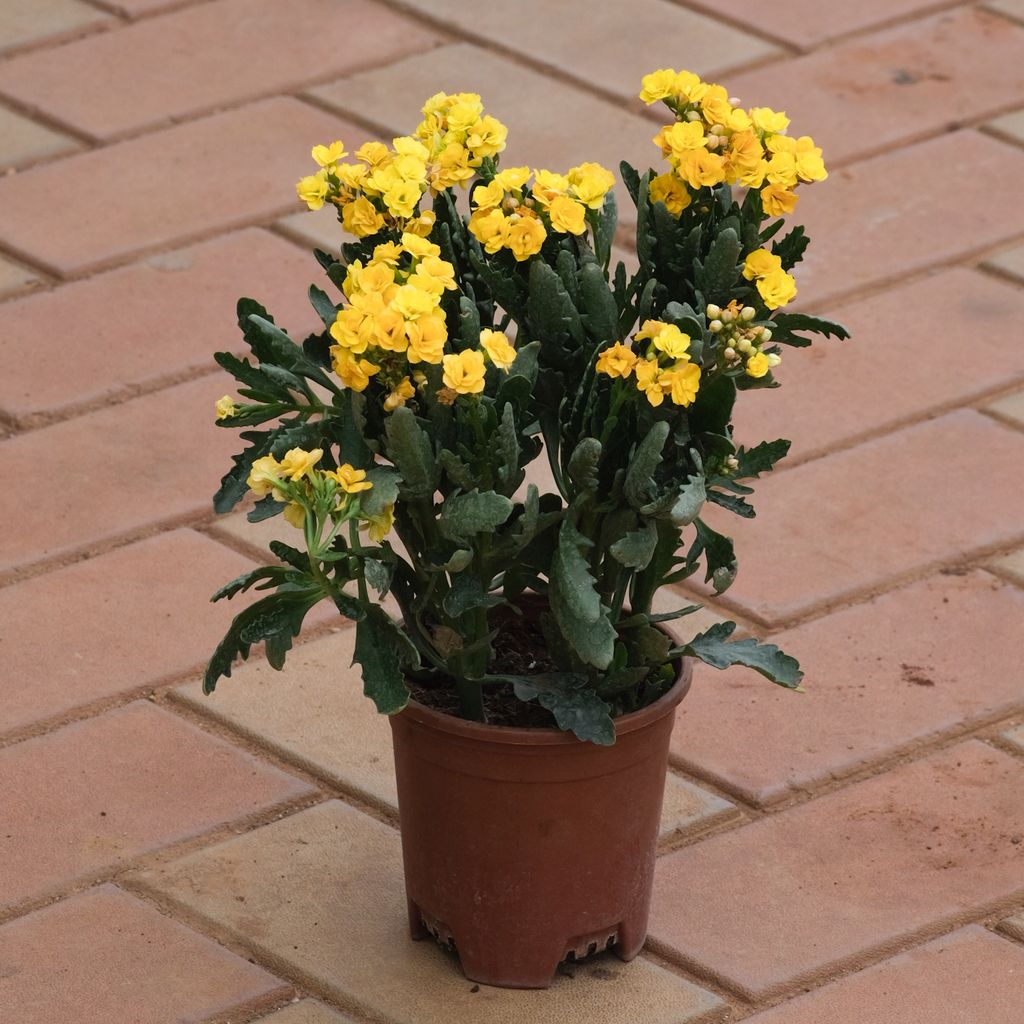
(531, 687)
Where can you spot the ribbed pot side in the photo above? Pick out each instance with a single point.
(523, 846)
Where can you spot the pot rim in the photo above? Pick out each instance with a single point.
(520, 736)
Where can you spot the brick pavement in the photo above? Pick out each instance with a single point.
(855, 854)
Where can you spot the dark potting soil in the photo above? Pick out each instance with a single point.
(520, 649)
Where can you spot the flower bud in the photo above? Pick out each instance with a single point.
(713, 310)
(730, 353)
(715, 326)
(727, 316)
(744, 345)
(734, 101)
(766, 335)
(718, 129)
(732, 462)
(748, 312)
(692, 115)
(774, 359)
(713, 141)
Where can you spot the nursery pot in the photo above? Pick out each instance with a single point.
(526, 846)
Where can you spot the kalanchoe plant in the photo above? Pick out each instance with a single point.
(462, 346)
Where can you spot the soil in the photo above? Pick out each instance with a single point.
(520, 649)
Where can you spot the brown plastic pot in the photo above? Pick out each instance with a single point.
(526, 846)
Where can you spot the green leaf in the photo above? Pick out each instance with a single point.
(274, 574)
(469, 323)
(720, 558)
(712, 648)
(290, 556)
(635, 549)
(321, 302)
(265, 508)
(733, 503)
(458, 470)
(550, 309)
(576, 706)
(790, 322)
(506, 447)
(583, 463)
(638, 485)
(791, 248)
(274, 619)
(600, 313)
(384, 492)
(760, 459)
(716, 278)
(605, 223)
(384, 652)
(411, 452)
(467, 593)
(465, 515)
(631, 179)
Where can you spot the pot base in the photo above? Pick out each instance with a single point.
(535, 968)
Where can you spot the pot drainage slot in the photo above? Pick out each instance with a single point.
(441, 932)
(588, 945)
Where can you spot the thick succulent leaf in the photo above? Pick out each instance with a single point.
(583, 463)
(635, 549)
(411, 452)
(275, 575)
(716, 277)
(384, 653)
(761, 458)
(465, 515)
(790, 322)
(714, 648)
(384, 491)
(600, 313)
(576, 707)
(791, 248)
(719, 556)
(638, 485)
(324, 306)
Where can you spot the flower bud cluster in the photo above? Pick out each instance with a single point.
(740, 341)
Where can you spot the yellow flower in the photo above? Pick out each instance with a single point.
(401, 200)
(715, 105)
(547, 185)
(413, 302)
(351, 176)
(525, 237)
(698, 167)
(312, 189)
(422, 224)
(490, 229)
(295, 514)
(354, 373)
(782, 170)
(673, 342)
(670, 190)
(778, 201)
(486, 137)
(387, 252)
(681, 137)
(757, 365)
(349, 479)
(681, 382)
(777, 288)
(327, 155)
(487, 197)
(361, 218)
(226, 408)
(297, 462)
(590, 183)
(465, 112)
(399, 395)
(767, 120)
(760, 262)
(658, 85)
(377, 277)
(567, 215)
(690, 88)
(464, 373)
(616, 361)
(372, 153)
(380, 526)
(427, 336)
(407, 145)
(647, 373)
(264, 476)
(498, 349)
(512, 179)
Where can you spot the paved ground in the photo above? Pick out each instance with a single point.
(854, 855)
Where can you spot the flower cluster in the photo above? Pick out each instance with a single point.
(663, 369)
(713, 141)
(313, 494)
(509, 213)
(393, 317)
(384, 187)
(774, 285)
(741, 343)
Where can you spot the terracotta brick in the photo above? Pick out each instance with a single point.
(910, 330)
(119, 207)
(904, 83)
(32, 21)
(172, 68)
(1016, 737)
(970, 975)
(314, 229)
(306, 1012)
(1014, 926)
(550, 124)
(856, 518)
(125, 467)
(866, 235)
(178, 307)
(14, 278)
(323, 891)
(1010, 261)
(22, 140)
(1009, 408)
(862, 869)
(806, 23)
(93, 795)
(1011, 8)
(931, 667)
(103, 611)
(585, 40)
(104, 956)
(687, 806)
(1011, 565)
